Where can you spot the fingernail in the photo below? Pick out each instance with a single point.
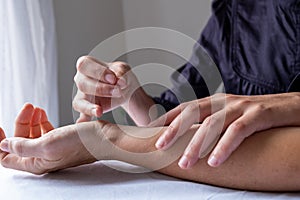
(160, 143)
(122, 83)
(183, 162)
(213, 161)
(4, 145)
(110, 78)
(115, 92)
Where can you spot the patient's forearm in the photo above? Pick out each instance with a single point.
(136, 146)
(268, 160)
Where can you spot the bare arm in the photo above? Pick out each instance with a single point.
(265, 161)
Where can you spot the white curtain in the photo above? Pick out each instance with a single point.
(28, 69)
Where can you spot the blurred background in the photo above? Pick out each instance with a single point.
(82, 24)
(70, 29)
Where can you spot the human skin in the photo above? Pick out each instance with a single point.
(104, 86)
(265, 161)
(236, 116)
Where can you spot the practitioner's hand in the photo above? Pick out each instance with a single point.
(245, 115)
(102, 86)
(38, 148)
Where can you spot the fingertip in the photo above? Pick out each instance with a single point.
(183, 162)
(213, 161)
(97, 112)
(160, 143)
(110, 77)
(44, 117)
(25, 114)
(4, 145)
(36, 117)
(166, 139)
(28, 105)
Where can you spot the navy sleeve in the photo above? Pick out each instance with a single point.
(188, 85)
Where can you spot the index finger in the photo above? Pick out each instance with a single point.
(22, 123)
(96, 69)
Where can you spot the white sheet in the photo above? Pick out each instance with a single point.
(98, 181)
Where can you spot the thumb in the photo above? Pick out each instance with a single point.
(22, 147)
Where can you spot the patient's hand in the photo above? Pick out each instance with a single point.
(38, 148)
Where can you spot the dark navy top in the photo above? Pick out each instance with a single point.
(254, 43)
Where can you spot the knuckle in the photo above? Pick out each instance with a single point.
(181, 107)
(245, 103)
(207, 122)
(76, 78)
(262, 108)
(224, 148)
(5, 162)
(171, 133)
(81, 85)
(193, 107)
(231, 98)
(238, 127)
(121, 67)
(76, 105)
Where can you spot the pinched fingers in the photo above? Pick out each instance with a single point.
(96, 78)
(95, 69)
(96, 88)
(85, 106)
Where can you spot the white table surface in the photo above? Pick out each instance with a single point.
(97, 181)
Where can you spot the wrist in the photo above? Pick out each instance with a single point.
(97, 143)
(138, 107)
